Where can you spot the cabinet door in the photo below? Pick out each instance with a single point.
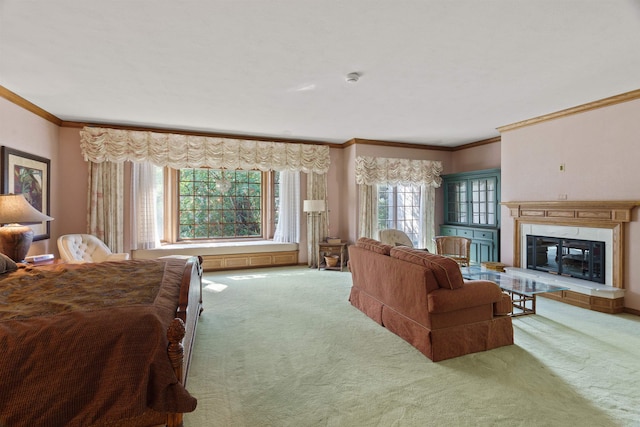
(483, 194)
(482, 251)
(472, 198)
(485, 251)
(457, 202)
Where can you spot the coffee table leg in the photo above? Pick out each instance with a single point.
(519, 302)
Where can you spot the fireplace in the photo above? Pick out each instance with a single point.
(581, 259)
(579, 245)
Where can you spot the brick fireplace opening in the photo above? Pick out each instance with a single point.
(593, 221)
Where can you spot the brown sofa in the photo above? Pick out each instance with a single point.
(422, 298)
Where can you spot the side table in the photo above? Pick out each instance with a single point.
(325, 249)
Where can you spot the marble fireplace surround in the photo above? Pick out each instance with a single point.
(593, 220)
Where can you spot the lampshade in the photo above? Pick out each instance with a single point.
(16, 239)
(313, 206)
(15, 208)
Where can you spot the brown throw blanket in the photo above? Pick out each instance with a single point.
(87, 342)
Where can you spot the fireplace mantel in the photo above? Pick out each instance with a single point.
(593, 214)
(585, 212)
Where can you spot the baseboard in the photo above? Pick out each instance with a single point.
(590, 302)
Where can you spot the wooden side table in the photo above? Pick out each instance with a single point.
(325, 249)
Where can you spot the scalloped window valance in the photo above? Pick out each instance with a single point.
(383, 170)
(188, 151)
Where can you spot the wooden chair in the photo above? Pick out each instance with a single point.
(458, 248)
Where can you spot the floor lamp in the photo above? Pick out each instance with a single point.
(313, 209)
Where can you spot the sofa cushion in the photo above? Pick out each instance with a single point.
(446, 271)
(373, 245)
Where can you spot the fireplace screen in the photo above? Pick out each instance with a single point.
(583, 259)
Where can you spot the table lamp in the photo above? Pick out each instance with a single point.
(16, 239)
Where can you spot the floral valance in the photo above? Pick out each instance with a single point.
(383, 170)
(187, 151)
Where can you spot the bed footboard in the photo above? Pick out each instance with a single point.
(189, 308)
(182, 331)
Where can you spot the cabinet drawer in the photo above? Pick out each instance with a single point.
(480, 234)
(465, 233)
(448, 231)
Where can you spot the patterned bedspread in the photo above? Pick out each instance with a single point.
(87, 342)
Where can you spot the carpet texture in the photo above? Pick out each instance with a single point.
(283, 347)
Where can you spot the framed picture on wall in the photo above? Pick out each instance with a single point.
(27, 174)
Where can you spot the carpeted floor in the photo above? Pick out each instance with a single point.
(283, 347)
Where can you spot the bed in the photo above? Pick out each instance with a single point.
(105, 344)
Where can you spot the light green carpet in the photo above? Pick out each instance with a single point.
(283, 347)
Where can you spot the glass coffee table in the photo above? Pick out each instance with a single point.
(523, 290)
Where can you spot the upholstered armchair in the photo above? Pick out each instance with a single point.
(394, 237)
(80, 248)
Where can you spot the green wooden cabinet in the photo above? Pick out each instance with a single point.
(472, 209)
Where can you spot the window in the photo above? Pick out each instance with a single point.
(222, 204)
(399, 208)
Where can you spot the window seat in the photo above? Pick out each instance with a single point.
(229, 255)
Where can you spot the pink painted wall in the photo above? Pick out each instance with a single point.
(600, 151)
(27, 132)
(485, 156)
(73, 178)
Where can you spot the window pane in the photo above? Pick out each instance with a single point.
(219, 204)
(399, 208)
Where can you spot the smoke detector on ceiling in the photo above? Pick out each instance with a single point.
(353, 77)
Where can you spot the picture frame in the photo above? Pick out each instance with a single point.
(28, 174)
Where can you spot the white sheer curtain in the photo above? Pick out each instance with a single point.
(288, 227)
(427, 217)
(143, 201)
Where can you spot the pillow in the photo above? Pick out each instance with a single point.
(446, 271)
(7, 264)
(373, 246)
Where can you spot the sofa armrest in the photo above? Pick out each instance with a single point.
(472, 294)
(504, 306)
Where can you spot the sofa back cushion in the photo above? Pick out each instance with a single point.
(373, 245)
(446, 271)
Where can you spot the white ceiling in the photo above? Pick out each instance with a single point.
(436, 72)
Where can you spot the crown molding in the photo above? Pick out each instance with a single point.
(355, 141)
(21, 102)
(606, 102)
(478, 143)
